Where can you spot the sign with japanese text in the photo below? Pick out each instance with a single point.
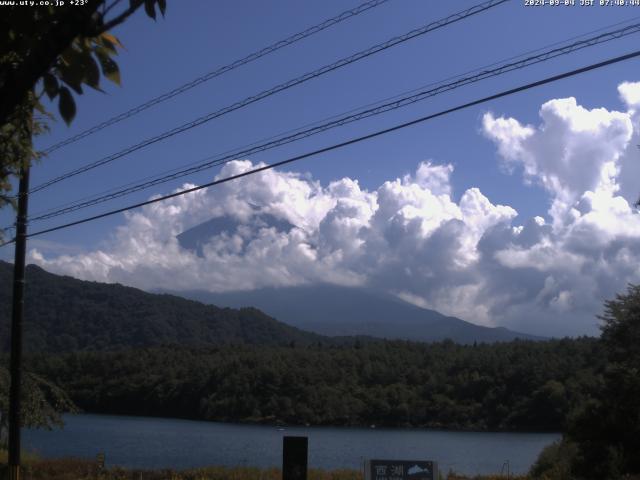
(401, 470)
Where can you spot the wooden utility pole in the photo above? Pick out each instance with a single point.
(16, 324)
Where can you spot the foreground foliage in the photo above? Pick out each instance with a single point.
(79, 469)
(602, 438)
(42, 403)
(510, 386)
(607, 429)
(554, 462)
(52, 50)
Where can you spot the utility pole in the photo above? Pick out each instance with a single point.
(16, 323)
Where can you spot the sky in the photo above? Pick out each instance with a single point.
(518, 212)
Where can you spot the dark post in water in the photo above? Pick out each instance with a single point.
(294, 458)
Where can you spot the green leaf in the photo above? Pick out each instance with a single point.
(51, 85)
(91, 71)
(72, 76)
(72, 70)
(109, 67)
(162, 4)
(112, 39)
(108, 44)
(150, 8)
(66, 105)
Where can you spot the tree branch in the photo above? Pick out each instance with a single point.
(19, 81)
(108, 8)
(46, 47)
(105, 27)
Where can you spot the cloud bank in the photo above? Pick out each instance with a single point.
(469, 258)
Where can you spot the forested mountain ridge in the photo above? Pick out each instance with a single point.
(66, 314)
(337, 310)
(529, 386)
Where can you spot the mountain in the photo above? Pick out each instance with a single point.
(195, 238)
(334, 310)
(64, 314)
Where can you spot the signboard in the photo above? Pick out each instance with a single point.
(401, 470)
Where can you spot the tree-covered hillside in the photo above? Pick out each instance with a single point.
(338, 310)
(66, 314)
(116, 349)
(508, 386)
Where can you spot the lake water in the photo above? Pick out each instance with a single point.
(143, 442)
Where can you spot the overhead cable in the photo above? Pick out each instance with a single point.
(300, 134)
(352, 141)
(326, 119)
(219, 71)
(456, 17)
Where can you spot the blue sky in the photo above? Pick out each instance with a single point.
(197, 37)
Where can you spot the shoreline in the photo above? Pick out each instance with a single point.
(265, 424)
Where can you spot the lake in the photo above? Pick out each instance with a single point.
(144, 442)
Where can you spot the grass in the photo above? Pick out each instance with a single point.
(35, 468)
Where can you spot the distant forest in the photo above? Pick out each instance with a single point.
(521, 385)
(64, 314)
(119, 350)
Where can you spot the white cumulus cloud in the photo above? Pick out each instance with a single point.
(410, 236)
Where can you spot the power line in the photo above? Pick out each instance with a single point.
(237, 150)
(220, 71)
(279, 88)
(300, 134)
(352, 141)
